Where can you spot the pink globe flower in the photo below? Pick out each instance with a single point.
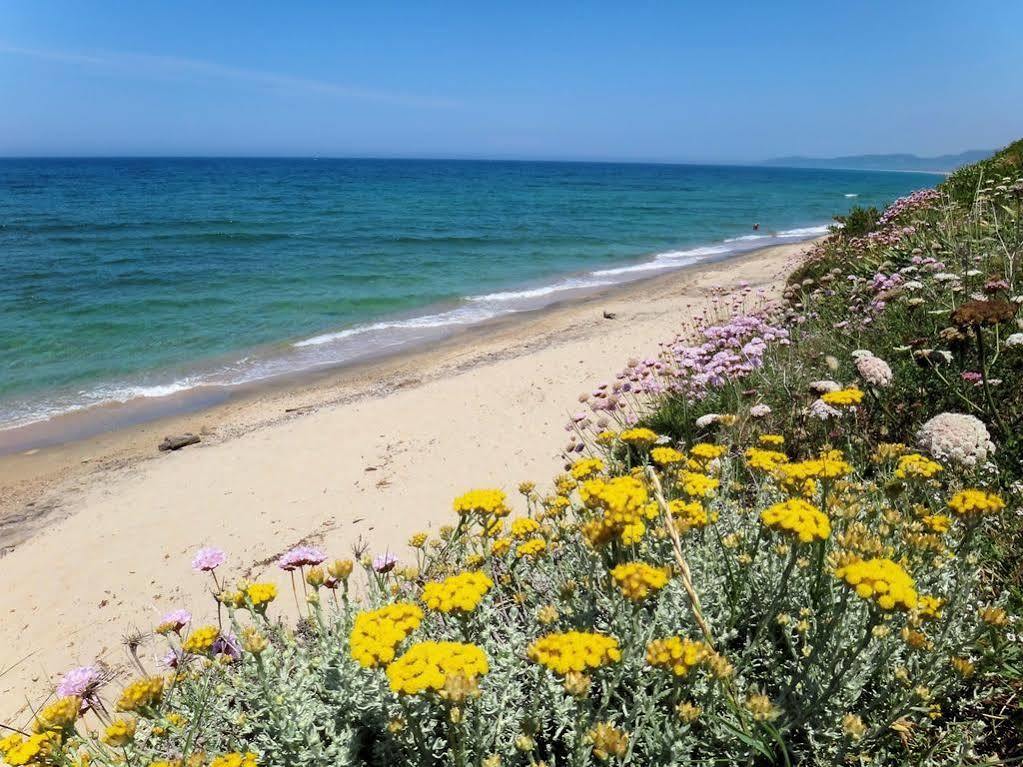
(83, 682)
(208, 559)
(384, 563)
(300, 556)
(177, 619)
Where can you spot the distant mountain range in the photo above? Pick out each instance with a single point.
(946, 162)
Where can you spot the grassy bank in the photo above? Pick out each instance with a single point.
(794, 541)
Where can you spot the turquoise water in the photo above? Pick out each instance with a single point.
(141, 278)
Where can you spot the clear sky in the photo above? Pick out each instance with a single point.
(672, 81)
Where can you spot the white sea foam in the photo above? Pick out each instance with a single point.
(806, 231)
(460, 316)
(852, 194)
(747, 237)
(546, 290)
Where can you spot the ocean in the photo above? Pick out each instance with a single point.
(128, 279)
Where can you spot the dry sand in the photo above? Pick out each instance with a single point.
(99, 534)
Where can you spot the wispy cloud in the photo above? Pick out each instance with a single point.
(140, 64)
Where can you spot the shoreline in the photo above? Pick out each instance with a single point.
(373, 453)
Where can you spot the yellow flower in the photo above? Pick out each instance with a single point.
(697, 485)
(882, 580)
(35, 749)
(523, 527)
(994, 616)
(235, 759)
(622, 502)
(377, 633)
(427, 666)
(605, 437)
(608, 741)
(638, 580)
(690, 514)
(853, 726)
(201, 640)
(500, 547)
(762, 708)
(765, 460)
(639, 438)
(704, 452)
(418, 540)
(937, 523)
(676, 654)
(252, 641)
(482, 502)
(848, 397)
(929, 607)
(340, 569)
(574, 651)
(532, 548)
(666, 456)
(585, 468)
(457, 593)
(771, 440)
(59, 716)
(261, 594)
(119, 732)
(916, 466)
(141, 694)
(975, 503)
(799, 519)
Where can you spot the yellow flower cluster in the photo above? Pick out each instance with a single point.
(848, 397)
(799, 476)
(765, 460)
(523, 527)
(937, 523)
(574, 651)
(532, 548)
(798, 518)
(608, 741)
(929, 607)
(458, 593)
(676, 654)
(585, 468)
(697, 485)
(882, 580)
(704, 452)
(234, 759)
(638, 580)
(141, 694)
(488, 502)
(974, 503)
(59, 715)
(201, 640)
(119, 732)
(35, 749)
(639, 438)
(261, 594)
(771, 440)
(666, 456)
(377, 633)
(690, 514)
(427, 666)
(623, 503)
(916, 466)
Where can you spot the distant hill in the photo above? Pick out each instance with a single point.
(946, 162)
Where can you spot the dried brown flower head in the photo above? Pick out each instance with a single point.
(977, 313)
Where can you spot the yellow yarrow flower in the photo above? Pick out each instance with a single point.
(639, 437)
(697, 485)
(799, 519)
(235, 759)
(141, 694)
(705, 452)
(524, 527)
(119, 732)
(500, 546)
(638, 580)
(623, 506)
(261, 594)
(35, 749)
(483, 502)
(201, 640)
(585, 468)
(58, 716)
(937, 523)
(666, 456)
(458, 593)
(574, 651)
(418, 540)
(427, 666)
(975, 503)
(676, 654)
(376, 633)
(916, 466)
(882, 581)
(765, 460)
(848, 397)
(771, 440)
(689, 515)
(532, 548)
(608, 741)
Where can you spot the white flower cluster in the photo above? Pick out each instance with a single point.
(874, 370)
(956, 437)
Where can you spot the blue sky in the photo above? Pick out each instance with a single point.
(669, 81)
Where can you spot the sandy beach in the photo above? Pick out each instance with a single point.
(98, 534)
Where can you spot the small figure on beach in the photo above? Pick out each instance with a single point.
(756, 227)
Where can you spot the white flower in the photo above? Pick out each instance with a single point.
(760, 411)
(1016, 339)
(822, 410)
(956, 437)
(874, 370)
(913, 285)
(707, 420)
(824, 386)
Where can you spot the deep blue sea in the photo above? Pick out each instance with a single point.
(132, 278)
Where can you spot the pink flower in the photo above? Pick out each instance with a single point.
(208, 559)
(177, 618)
(83, 682)
(384, 563)
(300, 556)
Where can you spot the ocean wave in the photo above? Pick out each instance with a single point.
(852, 194)
(460, 316)
(747, 237)
(805, 231)
(546, 290)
